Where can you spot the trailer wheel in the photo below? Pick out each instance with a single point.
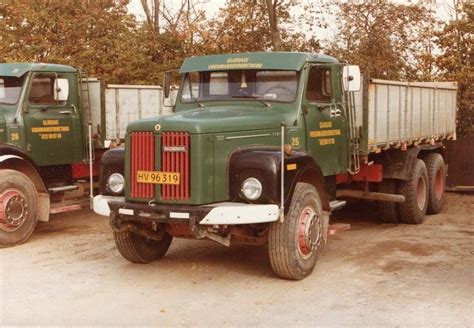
(139, 249)
(415, 190)
(295, 244)
(388, 211)
(436, 182)
(18, 203)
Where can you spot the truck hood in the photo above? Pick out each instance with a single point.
(214, 120)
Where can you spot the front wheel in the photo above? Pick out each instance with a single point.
(18, 202)
(294, 245)
(140, 249)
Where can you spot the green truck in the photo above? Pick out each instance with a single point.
(54, 127)
(262, 147)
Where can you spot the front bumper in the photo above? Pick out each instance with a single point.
(211, 214)
(100, 204)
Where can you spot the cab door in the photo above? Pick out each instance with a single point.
(324, 119)
(52, 120)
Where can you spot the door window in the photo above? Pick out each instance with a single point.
(49, 89)
(319, 86)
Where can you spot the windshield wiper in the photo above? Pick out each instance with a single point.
(191, 93)
(264, 103)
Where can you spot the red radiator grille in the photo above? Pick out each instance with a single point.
(175, 158)
(143, 159)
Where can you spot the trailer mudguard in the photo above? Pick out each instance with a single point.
(397, 164)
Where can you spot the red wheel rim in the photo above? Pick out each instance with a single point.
(421, 193)
(13, 210)
(439, 184)
(309, 231)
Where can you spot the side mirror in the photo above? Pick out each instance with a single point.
(351, 78)
(167, 84)
(61, 89)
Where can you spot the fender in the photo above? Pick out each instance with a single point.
(398, 164)
(25, 165)
(264, 164)
(112, 162)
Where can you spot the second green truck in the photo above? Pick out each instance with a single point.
(263, 146)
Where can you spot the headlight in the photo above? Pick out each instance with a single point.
(115, 183)
(252, 189)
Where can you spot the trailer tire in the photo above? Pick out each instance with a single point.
(388, 211)
(415, 190)
(18, 205)
(294, 245)
(139, 249)
(436, 182)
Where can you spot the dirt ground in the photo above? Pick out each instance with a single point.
(70, 273)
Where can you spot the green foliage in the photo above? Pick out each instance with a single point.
(456, 63)
(380, 36)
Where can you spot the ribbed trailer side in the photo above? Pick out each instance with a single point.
(392, 114)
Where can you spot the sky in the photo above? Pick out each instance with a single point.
(442, 8)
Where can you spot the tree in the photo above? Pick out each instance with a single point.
(379, 36)
(456, 63)
(87, 34)
(272, 10)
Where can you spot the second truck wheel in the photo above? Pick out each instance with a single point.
(18, 202)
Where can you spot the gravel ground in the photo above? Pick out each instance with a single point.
(70, 273)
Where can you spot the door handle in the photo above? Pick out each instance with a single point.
(65, 112)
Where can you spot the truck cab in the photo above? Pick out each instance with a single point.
(254, 153)
(41, 139)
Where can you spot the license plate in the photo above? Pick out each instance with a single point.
(158, 177)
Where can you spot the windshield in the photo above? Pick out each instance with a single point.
(280, 86)
(10, 89)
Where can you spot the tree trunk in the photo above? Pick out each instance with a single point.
(272, 6)
(152, 14)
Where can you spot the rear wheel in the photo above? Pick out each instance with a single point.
(415, 190)
(436, 182)
(294, 244)
(18, 202)
(139, 249)
(388, 211)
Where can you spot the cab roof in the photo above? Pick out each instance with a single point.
(292, 61)
(18, 69)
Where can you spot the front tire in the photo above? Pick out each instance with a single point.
(415, 190)
(18, 204)
(294, 245)
(139, 249)
(436, 182)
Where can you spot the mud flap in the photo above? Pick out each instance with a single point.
(325, 225)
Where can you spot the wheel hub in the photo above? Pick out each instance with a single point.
(13, 210)
(309, 231)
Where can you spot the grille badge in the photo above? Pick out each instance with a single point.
(174, 149)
